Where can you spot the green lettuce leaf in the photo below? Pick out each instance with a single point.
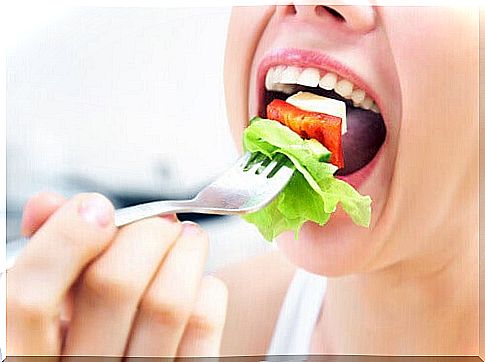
(312, 194)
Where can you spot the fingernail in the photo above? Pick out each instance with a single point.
(170, 217)
(190, 228)
(96, 210)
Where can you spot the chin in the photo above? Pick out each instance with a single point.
(341, 247)
(336, 249)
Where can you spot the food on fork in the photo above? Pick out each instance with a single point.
(313, 125)
(311, 140)
(315, 103)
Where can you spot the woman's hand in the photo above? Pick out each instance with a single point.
(82, 287)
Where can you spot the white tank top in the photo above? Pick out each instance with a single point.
(298, 314)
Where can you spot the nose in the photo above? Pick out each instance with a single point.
(357, 18)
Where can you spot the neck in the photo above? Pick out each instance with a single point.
(408, 308)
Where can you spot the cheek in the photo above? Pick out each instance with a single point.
(245, 28)
(435, 50)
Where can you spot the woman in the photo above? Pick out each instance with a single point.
(406, 285)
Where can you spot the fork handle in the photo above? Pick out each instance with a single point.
(131, 214)
(122, 217)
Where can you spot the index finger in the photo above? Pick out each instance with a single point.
(38, 209)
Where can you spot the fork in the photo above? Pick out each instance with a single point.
(248, 186)
(251, 184)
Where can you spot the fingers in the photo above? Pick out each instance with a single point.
(169, 301)
(110, 289)
(203, 333)
(38, 209)
(45, 270)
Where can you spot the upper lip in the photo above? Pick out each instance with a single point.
(310, 58)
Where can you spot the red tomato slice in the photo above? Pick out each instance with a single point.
(323, 127)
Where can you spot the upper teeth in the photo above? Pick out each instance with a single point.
(283, 78)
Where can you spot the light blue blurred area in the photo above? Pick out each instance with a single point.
(125, 101)
(120, 97)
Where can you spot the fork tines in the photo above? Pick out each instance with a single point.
(263, 165)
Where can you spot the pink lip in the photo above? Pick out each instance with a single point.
(309, 58)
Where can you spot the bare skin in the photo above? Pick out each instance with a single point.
(253, 307)
(406, 285)
(108, 292)
(409, 283)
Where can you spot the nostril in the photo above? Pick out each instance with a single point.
(290, 10)
(321, 10)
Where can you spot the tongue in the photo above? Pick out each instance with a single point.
(365, 130)
(366, 133)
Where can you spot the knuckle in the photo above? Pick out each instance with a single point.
(216, 289)
(150, 227)
(151, 223)
(106, 284)
(29, 308)
(83, 244)
(74, 240)
(196, 240)
(205, 324)
(195, 229)
(216, 284)
(81, 239)
(170, 313)
(209, 315)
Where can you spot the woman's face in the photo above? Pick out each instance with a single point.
(419, 65)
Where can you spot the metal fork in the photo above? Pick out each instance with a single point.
(251, 184)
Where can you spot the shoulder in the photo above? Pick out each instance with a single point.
(257, 288)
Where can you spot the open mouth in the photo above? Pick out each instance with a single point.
(366, 130)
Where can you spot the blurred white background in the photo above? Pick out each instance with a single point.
(124, 101)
